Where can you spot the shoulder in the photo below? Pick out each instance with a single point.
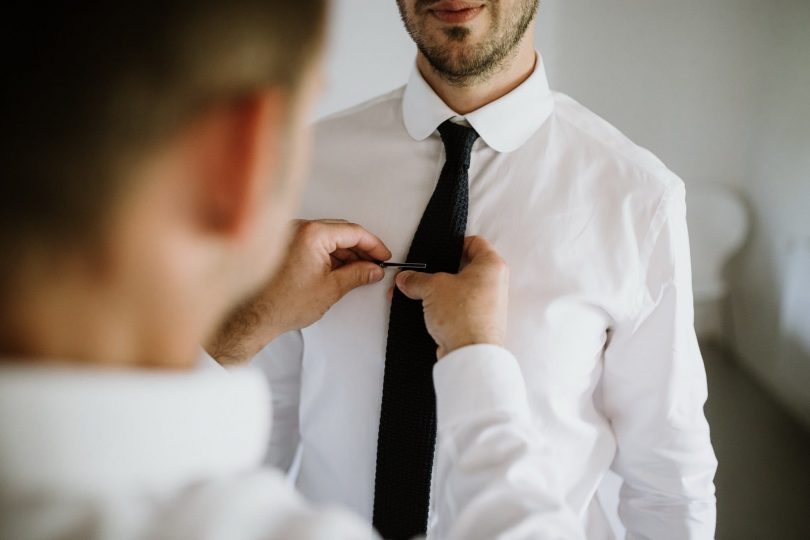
(377, 112)
(625, 182)
(623, 163)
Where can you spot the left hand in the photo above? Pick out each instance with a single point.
(467, 308)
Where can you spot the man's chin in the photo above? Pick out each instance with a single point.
(455, 55)
(455, 40)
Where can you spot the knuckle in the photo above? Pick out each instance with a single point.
(366, 275)
(495, 269)
(361, 275)
(502, 270)
(500, 264)
(309, 229)
(482, 243)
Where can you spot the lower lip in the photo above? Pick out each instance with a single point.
(455, 17)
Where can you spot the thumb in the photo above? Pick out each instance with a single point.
(414, 285)
(357, 274)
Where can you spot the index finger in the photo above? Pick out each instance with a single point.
(354, 237)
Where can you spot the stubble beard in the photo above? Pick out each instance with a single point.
(475, 63)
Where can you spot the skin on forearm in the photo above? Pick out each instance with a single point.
(244, 333)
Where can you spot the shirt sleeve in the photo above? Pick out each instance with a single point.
(487, 480)
(488, 484)
(258, 505)
(281, 362)
(654, 390)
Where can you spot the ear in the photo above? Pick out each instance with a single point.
(236, 152)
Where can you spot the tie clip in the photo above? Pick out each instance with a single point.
(407, 266)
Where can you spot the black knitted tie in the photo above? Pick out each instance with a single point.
(407, 434)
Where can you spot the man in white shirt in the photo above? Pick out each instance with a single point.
(143, 200)
(593, 228)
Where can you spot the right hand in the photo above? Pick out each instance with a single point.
(467, 308)
(326, 259)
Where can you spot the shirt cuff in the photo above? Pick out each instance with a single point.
(206, 362)
(477, 380)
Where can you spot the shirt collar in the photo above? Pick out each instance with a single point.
(505, 124)
(92, 430)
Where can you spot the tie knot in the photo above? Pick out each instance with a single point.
(458, 140)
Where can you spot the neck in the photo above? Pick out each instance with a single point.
(466, 98)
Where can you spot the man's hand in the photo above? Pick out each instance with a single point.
(326, 260)
(467, 308)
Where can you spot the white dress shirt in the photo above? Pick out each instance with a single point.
(600, 317)
(91, 454)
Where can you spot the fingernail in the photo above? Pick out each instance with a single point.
(376, 274)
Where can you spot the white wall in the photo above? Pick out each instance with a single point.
(674, 76)
(368, 53)
(717, 88)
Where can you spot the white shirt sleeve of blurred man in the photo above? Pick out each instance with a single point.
(149, 454)
(487, 480)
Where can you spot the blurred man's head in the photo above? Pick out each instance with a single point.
(466, 41)
(156, 149)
